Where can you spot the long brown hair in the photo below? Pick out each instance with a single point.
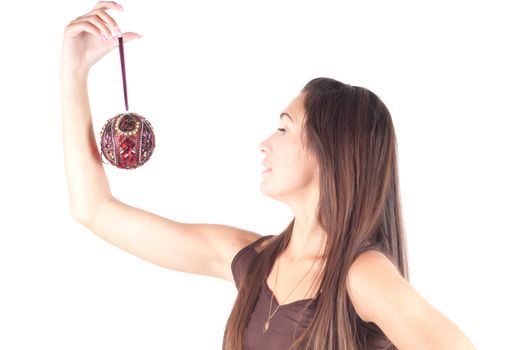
(350, 131)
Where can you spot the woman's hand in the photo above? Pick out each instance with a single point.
(90, 37)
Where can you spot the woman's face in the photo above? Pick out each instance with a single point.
(291, 173)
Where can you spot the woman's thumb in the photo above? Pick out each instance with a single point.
(127, 36)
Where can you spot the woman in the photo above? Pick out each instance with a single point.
(335, 278)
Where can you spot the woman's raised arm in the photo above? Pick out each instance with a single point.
(87, 39)
(205, 249)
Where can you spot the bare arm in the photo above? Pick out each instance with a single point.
(381, 295)
(87, 181)
(205, 249)
(83, 46)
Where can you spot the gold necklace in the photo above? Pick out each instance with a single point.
(266, 325)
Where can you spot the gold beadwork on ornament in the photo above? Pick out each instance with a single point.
(126, 133)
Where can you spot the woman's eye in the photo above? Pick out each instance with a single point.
(282, 130)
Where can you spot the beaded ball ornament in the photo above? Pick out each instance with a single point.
(127, 140)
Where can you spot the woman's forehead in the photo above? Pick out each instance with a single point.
(295, 109)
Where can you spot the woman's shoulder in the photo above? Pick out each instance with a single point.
(242, 259)
(372, 279)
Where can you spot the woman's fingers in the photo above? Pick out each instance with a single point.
(108, 5)
(97, 22)
(108, 20)
(83, 44)
(76, 27)
(107, 26)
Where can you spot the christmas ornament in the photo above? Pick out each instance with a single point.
(127, 140)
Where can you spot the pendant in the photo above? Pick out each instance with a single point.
(266, 326)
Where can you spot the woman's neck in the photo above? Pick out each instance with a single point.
(307, 240)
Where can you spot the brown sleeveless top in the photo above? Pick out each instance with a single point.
(288, 323)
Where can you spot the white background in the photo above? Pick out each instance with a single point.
(212, 77)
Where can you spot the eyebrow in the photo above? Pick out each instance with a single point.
(286, 115)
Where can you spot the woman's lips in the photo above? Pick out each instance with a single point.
(266, 166)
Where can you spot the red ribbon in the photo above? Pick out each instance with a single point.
(123, 71)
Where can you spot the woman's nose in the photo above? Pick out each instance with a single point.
(263, 146)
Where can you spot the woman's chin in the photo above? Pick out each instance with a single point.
(267, 190)
(271, 192)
